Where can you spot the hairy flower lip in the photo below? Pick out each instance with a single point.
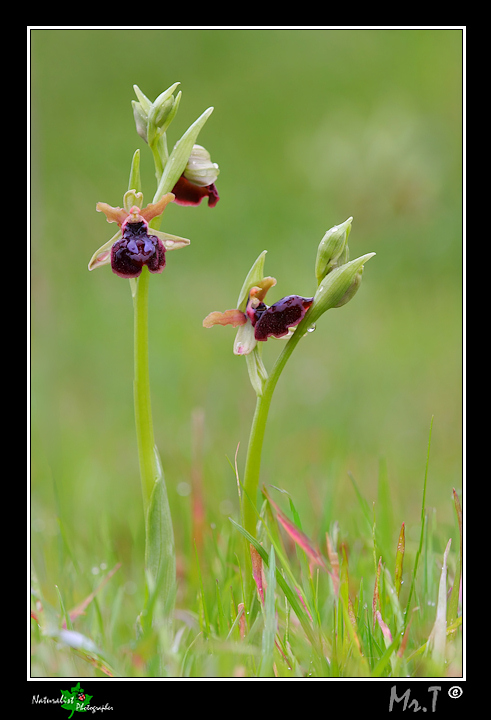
(276, 321)
(136, 249)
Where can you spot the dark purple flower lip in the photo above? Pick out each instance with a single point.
(188, 193)
(276, 320)
(136, 249)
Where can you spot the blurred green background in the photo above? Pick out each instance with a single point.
(309, 127)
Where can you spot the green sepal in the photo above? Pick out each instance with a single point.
(254, 277)
(143, 100)
(258, 374)
(102, 256)
(135, 179)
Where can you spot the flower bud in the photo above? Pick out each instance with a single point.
(352, 290)
(165, 107)
(199, 169)
(162, 113)
(338, 287)
(153, 119)
(141, 119)
(332, 248)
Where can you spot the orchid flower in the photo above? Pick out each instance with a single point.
(255, 320)
(198, 180)
(135, 245)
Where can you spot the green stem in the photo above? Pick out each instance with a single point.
(160, 156)
(143, 410)
(160, 561)
(256, 437)
(149, 469)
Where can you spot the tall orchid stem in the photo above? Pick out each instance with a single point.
(143, 409)
(258, 428)
(160, 559)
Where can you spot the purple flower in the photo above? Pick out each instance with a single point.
(261, 321)
(276, 321)
(135, 244)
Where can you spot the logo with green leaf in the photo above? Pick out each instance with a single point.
(75, 700)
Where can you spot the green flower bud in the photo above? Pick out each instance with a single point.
(332, 250)
(153, 118)
(352, 290)
(337, 288)
(164, 104)
(162, 113)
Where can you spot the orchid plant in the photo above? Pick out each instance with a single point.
(338, 279)
(185, 176)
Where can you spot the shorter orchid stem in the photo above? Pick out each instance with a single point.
(256, 438)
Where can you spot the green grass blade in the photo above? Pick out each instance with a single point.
(423, 508)
(439, 632)
(287, 590)
(204, 618)
(385, 519)
(453, 605)
(222, 620)
(401, 547)
(269, 631)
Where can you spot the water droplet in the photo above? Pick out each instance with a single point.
(311, 328)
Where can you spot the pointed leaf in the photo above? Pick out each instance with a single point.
(298, 536)
(438, 634)
(179, 156)
(160, 552)
(257, 572)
